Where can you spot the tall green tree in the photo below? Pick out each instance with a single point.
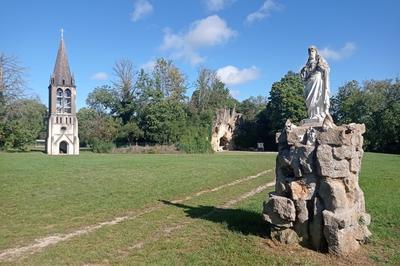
(348, 105)
(164, 121)
(286, 101)
(168, 80)
(23, 121)
(21, 118)
(95, 126)
(103, 99)
(164, 111)
(210, 94)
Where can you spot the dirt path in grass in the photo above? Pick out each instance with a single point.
(41, 243)
(360, 257)
(165, 231)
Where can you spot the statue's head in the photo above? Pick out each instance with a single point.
(312, 52)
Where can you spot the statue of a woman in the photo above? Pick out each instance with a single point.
(315, 75)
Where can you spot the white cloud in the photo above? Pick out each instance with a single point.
(149, 65)
(99, 76)
(207, 32)
(263, 12)
(141, 9)
(346, 51)
(234, 93)
(231, 75)
(217, 5)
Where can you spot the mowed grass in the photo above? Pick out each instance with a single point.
(380, 181)
(42, 196)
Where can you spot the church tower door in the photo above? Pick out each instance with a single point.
(63, 147)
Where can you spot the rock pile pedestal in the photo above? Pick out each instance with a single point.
(317, 199)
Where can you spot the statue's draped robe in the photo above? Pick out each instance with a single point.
(317, 89)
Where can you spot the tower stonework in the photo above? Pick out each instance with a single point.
(62, 129)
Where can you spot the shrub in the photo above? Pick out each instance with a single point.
(195, 140)
(101, 146)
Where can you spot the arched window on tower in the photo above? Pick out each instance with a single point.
(59, 103)
(67, 101)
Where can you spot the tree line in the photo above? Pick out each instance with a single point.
(152, 106)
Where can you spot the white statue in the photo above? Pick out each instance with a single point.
(315, 75)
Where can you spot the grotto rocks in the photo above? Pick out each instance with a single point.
(223, 129)
(317, 194)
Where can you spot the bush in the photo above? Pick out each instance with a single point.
(195, 140)
(147, 149)
(101, 146)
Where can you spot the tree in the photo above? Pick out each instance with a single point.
(15, 111)
(250, 107)
(168, 80)
(163, 121)
(210, 94)
(377, 105)
(23, 121)
(103, 100)
(12, 81)
(286, 101)
(130, 132)
(347, 106)
(94, 126)
(119, 100)
(248, 132)
(125, 89)
(204, 84)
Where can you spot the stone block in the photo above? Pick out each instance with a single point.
(303, 189)
(296, 135)
(307, 158)
(331, 136)
(341, 242)
(333, 194)
(279, 211)
(355, 161)
(316, 225)
(343, 152)
(285, 236)
(328, 166)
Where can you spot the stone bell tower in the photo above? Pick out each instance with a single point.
(62, 131)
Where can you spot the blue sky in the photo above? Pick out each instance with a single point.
(250, 43)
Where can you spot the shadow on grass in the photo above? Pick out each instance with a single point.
(236, 220)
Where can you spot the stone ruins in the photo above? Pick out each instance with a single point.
(223, 128)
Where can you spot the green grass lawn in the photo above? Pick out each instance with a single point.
(44, 195)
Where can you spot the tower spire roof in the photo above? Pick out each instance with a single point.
(62, 74)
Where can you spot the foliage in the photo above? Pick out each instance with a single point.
(377, 105)
(261, 120)
(286, 101)
(168, 80)
(21, 118)
(130, 132)
(163, 121)
(102, 99)
(195, 139)
(100, 146)
(210, 94)
(21, 123)
(94, 126)
(248, 131)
